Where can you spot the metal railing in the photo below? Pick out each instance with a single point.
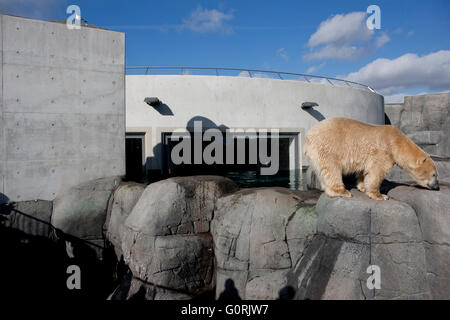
(252, 73)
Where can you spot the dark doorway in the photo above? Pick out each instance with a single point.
(135, 157)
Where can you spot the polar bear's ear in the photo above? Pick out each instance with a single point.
(421, 160)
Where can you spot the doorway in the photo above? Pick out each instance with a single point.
(135, 157)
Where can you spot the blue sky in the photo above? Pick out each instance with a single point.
(410, 54)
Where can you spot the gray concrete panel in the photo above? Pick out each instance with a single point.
(63, 107)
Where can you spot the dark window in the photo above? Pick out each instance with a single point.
(245, 175)
(134, 149)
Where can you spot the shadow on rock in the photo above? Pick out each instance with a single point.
(230, 293)
(287, 293)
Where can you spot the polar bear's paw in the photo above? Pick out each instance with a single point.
(361, 187)
(332, 193)
(377, 196)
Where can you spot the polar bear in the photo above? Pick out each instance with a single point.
(338, 146)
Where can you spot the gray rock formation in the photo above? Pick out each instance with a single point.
(123, 201)
(425, 119)
(259, 234)
(81, 210)
(166, 241)
(183, 236)
(359, 232)
(433, 212)
(267, 240)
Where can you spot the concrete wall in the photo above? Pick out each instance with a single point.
(62, 107)
(239, 102)
(425, 119)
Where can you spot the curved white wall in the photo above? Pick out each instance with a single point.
(241, 102)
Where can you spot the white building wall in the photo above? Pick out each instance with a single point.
(240, 102)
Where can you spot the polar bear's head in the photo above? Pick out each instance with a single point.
(424, 172)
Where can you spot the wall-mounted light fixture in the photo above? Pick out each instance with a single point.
(309, 105)
(152, 101)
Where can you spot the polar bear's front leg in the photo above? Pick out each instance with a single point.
(332, 182)
(372, 182)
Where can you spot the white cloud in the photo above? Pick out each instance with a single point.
(205, 21)
(344, 37)
(313, 69)
(409, 71)
(341, 29)
(399, 31)
(382, 40)
(199, 20)
(37, 9)
(336, 52)
(282, 54)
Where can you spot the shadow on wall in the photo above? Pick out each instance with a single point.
(160, 153)
(315, 114)
(164, 110)
(159, 106)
